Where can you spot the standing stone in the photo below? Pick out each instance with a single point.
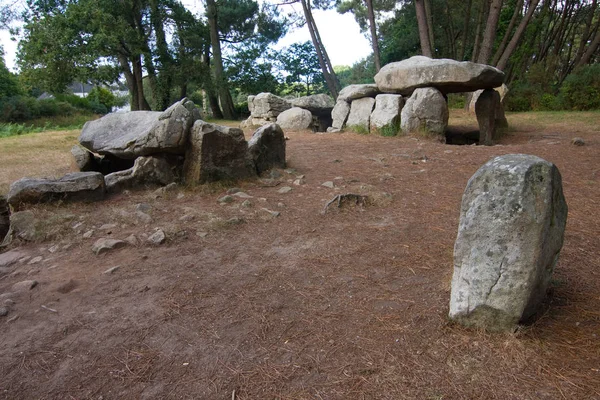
(76, 186)
(426, 110)
(502, 91)
(360, 113)
(295, 119)
(490, 116)
(84, 160)
(216, 153)
(387, 110)
(266, 148)
(146, 171)
(511, 229)
(339, 114)
(353, 92)
(268, 106)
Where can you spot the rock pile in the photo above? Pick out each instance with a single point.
(414, 92)
(511, 230)
(145, 148)
(308, 112)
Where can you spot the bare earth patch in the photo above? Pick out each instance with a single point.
(351, 304)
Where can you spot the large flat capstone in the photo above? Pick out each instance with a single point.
(511, 229)
(141, 133)
(448, 76)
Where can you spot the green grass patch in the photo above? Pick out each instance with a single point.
(58, 123)
(361, 130)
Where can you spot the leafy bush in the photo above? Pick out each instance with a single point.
(581, 89)
(456, 100)
(53, 107)
(242, 110)
(18, 108)
(101, 100)
(81, 103)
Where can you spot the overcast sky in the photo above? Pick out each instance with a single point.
(340, 34)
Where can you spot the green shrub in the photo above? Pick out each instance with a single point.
(361, 130)
(242, 110)
(18, 109)
(548, 102)
(456, 100)
(101, 100)
(81, 103)
(581, 89)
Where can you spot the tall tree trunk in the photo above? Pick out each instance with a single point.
(374, 40)
(508, 33)
(587, 56)
(489, 35)
(209, 89)
(220, 81)
(429, 17)
(324, 62)
(465, 32)
(512, 45)
(423, 29)
(165, 78)
(139, 82)
(131, 83)
(586, 35)
(477, 42)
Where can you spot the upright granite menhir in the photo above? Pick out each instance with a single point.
(511, 230)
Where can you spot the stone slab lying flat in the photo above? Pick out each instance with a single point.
(448, 76)
(77, 186)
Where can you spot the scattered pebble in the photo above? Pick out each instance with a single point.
(285, 189)
(280, 205)
(3, 311)
(274, 214)
(338, 178)
(247, 204)
(53, 249)
(9, 302)
(143, 207)
(300, 176)
(157, 237)
(143, 217)
(202, 234)
(77, 225)
(111, 270)
(328, 184)
(233, 190)
(24, 286)
(225, 199)
(108, 227)
(35, 260)
(49, 309)
(274, 174)
(25, 259)
(180, 196)
(290, 171)
(88, 234)
(243, 195)
(132, 240)
(235, 221)
(187, 218)
(102, 245)
(578, 141)
(299, 182)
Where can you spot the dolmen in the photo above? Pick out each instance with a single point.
(150, 148)
(309, 112)
(413, 94)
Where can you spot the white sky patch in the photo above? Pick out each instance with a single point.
(340, 34)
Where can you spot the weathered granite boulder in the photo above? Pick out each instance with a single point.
(295, 119)
(266, 148)
(360, 113)
(353, 92)
(512, 222)
(448, 76)
(339, 114)
(4, 218)
(84, 159)
(490, 116)
(502, 91)
(77, 186)
(146, 171)
(317, 104)
(426, 110)
(216, 153)
(387, 110)
(268, 106)
(141, 133)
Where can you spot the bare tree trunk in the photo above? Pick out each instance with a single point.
(512, 45)
(138, 77)
(465, 33)
(220, 82)
(489, 35)
(429, 17)
(131, 83)
(209, 88)
(477, 43)
(324, 61)
(374, 40)
(423, 30)
(586, 35)
(508, 33)
(587, 56)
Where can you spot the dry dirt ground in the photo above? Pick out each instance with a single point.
(351, 304)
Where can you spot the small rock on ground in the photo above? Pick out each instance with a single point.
(578, 141)
(108, 227)
(35, 260)
(3, 311)
(143, 217)
(11, 257)
(24, 286)
(143, 207)
(157, 237)
(242, 195)
(111, 270)
(88, 234)
(247, 204)
(132, 240)
(285, 189)
(328, 184)
(273, 213)
(225, 199)
(105, 244)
